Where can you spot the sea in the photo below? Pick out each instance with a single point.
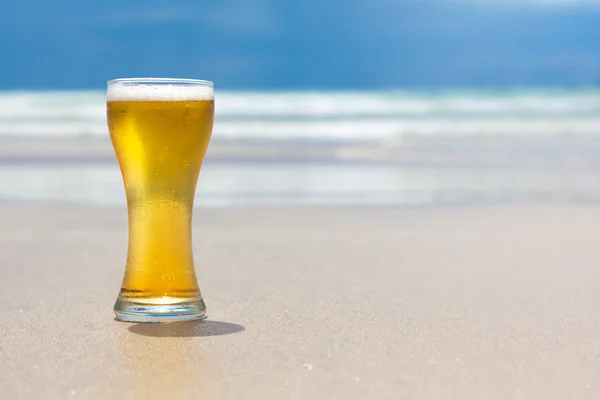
(376, 148)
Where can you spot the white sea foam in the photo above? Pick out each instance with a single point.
(372, 117)
(142, 91)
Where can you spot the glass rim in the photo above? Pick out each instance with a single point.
(160, 81)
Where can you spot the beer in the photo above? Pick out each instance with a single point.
(160, 133)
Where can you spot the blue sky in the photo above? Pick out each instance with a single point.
(312, 44)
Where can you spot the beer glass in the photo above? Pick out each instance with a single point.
(160, 129)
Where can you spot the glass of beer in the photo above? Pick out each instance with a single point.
(160, 129)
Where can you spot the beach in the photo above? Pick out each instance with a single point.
(348, 245)
(378, 200)
(311, 302)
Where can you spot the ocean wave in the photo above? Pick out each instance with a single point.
(318, 116)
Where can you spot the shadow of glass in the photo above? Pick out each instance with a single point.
(186, 329)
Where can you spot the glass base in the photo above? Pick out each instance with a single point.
(129, 311)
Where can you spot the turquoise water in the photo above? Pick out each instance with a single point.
(382, 118)
(372, 148)
(235, 184)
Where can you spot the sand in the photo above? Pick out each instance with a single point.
(311, 303)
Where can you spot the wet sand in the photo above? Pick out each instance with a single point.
(315, 302)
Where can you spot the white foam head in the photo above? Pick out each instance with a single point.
(157, 89)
